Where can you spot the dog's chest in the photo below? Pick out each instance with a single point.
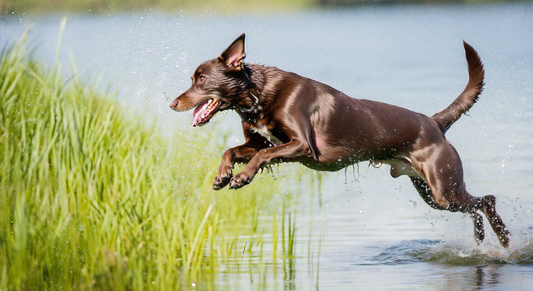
(266, 133)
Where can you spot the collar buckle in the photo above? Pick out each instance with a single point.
(253, 108)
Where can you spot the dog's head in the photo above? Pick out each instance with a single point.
(218, 84)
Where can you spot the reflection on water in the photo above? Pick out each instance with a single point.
(359, 228)
(433, 264)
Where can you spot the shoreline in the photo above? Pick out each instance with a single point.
(18, 7)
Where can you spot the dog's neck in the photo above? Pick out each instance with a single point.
(251, 111)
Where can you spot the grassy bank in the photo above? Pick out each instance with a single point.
(105, 6)
(93, 198)
(224, 6)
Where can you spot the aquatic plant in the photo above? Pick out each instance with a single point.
(94, 197)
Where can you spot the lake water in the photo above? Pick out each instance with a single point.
(359, 229)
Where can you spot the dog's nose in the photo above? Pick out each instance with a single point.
(173, 104)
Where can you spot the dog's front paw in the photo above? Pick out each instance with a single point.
(221, 181)
(239, 181)
(223, 176)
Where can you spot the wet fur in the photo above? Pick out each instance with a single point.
(290, 118)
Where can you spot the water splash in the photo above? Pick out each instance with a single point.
(454, 253)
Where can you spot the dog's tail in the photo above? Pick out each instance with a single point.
(464, 102)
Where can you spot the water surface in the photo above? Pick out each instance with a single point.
(359, 228)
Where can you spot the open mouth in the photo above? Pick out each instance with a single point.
(205, 111)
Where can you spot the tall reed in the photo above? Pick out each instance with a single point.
(92, 197)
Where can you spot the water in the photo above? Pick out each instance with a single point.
(358, 229)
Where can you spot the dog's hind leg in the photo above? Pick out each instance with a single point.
(487, 205)
(489, 208)
(444, 176)
(425, 192)
(479, 229)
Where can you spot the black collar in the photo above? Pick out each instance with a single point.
(252, 108)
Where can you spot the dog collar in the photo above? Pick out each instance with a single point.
(253, 108)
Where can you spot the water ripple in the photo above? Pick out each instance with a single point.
(453, 253)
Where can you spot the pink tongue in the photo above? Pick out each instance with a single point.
(204, 111)
(198, 113)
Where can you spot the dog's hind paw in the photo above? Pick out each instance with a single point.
(504, 238)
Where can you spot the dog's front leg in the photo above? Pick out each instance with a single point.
(241, 154)
(292, 150)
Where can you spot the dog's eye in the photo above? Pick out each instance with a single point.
(201, 78)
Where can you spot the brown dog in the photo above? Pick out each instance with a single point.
(289, 118)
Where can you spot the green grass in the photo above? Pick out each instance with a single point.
(93, 197)
(19, 7)
(106, 6)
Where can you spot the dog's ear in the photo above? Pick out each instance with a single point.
(234, 55)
